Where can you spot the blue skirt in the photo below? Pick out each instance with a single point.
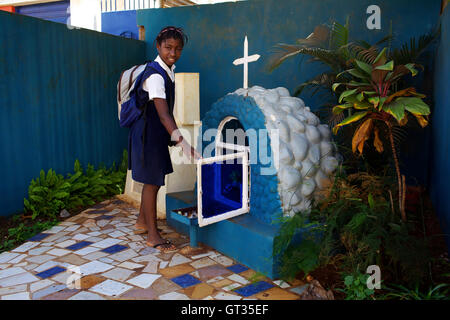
(149, 160)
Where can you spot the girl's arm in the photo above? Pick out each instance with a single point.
(169, 123)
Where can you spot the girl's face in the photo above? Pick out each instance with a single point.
(170, 50)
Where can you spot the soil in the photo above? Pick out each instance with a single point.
(417, 201)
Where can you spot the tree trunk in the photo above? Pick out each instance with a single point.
(397, 169)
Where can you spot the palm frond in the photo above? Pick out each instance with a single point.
(411, 51)
(321, 81)
(364, 53)
(339, 35)
(400, 135)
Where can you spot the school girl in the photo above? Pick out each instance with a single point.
(155, 130)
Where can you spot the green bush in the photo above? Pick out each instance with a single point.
(49, 194)
(356, 226)
(356, 287)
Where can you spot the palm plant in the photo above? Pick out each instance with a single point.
(327, 46)
(375, 101)
(332, 47)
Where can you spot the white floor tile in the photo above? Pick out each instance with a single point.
(59, 252)
(118, 274)
(178, 259)
(173, 296)
(93, 267)
(17, 296)
(26, 246)
(86, 295)
(11, 272)
(106, 243)
(21, 278)
(238, 278)
(144, 280)
(110, 288)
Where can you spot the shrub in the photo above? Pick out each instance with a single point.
(356, 226)
(49, 194)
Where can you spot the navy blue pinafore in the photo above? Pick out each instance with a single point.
(148, 140)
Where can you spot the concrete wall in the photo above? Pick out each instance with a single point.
(440, 163)
(120, 23)
(216, 36)
(57, 100)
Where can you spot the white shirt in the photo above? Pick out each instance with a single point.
(154, 85)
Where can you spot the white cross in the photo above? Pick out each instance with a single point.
(245, 60)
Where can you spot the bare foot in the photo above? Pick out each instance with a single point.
(142, 228)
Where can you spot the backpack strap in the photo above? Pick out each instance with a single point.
(131, 76)
(120, 85)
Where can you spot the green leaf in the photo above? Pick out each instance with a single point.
(353, 118)
(61, 195)
(340, 108)
(335, 86)
(367, 68)
(415, 105)
(347, 94)
(36, 198)
(358, 74)
(380, 55)
(371, 201)
(360, 96)
(396, 109)
(348, 280)
(386, 67)
(410, 67)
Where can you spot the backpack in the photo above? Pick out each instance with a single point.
(128, 111)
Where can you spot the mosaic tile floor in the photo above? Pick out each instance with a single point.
(95, 255)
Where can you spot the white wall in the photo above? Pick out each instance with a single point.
(86, 14)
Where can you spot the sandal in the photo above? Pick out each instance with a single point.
(163, 250)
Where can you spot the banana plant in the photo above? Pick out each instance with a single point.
(373, 101)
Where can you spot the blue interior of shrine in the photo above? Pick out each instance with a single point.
(221, 188)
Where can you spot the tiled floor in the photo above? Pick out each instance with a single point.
(95, 255)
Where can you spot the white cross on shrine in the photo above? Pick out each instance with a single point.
(245, 61)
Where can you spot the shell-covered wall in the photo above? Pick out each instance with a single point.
(307, 155)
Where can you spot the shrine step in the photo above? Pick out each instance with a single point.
(244, 239)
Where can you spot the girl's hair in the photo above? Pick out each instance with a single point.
(171, 32)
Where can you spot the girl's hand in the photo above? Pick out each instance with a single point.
(189, 151)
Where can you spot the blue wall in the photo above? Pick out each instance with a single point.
(57, 100)
(216, 36)
(53, 11)
(120, 23)
(440, 163)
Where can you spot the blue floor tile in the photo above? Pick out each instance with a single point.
(185, 280)
(50, 272)
(237, 268)
(79, 245)
(99, 206)
(254, 288)
(104, 217)
(97, 211)
(39, 237)
(115, 248)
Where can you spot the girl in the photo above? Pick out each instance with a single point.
(155, 130)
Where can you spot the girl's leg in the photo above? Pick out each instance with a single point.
(141, 223)
(148, 205)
